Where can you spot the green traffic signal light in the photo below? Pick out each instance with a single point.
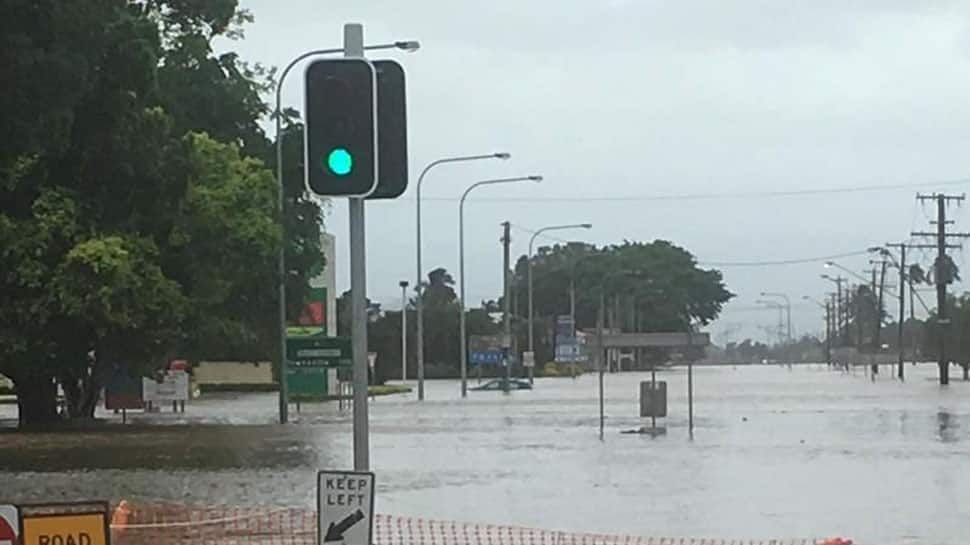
(340, 161)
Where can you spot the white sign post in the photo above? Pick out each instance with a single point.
(9, 525)
(528, 359)
(345, 507)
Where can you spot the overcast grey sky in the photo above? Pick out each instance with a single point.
(625, 99)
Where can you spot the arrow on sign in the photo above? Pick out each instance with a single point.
(335, 532)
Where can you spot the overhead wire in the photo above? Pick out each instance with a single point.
(715, 196)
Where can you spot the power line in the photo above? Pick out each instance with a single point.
(780, 262)
(797, 261)
(715, 196)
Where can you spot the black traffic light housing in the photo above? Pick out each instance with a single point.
(392, 131)
(341, 127)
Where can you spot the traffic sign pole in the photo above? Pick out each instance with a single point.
(354, 47)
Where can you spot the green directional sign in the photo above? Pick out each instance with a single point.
(308, 361)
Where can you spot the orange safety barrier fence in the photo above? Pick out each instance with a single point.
(167, 524)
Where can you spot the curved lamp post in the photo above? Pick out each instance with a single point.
(409, 46)
(461, 267)
(531, 242)
(419, 282)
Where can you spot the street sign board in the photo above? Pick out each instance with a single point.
(65, 524)
(9, 525)
(318, 351)
(567, 345)
(122, 391)
(309, 360)
(345, 507)
(487, 349)
(174, 386)
(528, 359)
(653, 399)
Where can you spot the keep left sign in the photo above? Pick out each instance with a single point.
(9, 524)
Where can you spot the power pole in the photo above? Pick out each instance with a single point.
(828, 333)
(877, 334)
(506, 301)
(903, 279)
(515, 319)
(902, 306)
(943, 273)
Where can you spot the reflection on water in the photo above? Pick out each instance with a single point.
(948, 427)
(799, 453)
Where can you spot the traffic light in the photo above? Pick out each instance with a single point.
(392, 131)
(341, 130)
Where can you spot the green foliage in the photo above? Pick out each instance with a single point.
(138, 216)
(654, 286)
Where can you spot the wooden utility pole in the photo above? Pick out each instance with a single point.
(828, 333)
(942, 272)
(900, 374)
(904, 278)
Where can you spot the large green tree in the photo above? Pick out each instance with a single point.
(137, 213)
(655, 286)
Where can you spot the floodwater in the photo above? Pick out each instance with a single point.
(776, 452)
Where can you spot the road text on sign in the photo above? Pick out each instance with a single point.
(345, 501)
(65, 529)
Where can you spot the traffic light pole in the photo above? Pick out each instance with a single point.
(280, 259)
(354, 47)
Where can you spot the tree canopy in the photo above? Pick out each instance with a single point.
(138, 216)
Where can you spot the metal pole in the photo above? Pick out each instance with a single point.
(280, 259)
(902, 310)
(507, 318)
(531, 325)
(532, 346)
(690, 396)
(461, 297)
(419, 280)
(828, 333)
(690, 381)
(404, 330)
(572, 299)
(531, 242)
(354, 47)
(284, 407)
(943, 362)
(461, 269)
(418, 288)
(602, 355)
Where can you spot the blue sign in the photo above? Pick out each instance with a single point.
(486, 357)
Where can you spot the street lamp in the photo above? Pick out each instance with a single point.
(419, 283)
(531, 242)
(830, 264)
(461, 267)
(828, 326)
(409, 46)
(837, 280)
(404, 329)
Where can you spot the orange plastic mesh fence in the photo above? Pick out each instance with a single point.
(158, 524)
